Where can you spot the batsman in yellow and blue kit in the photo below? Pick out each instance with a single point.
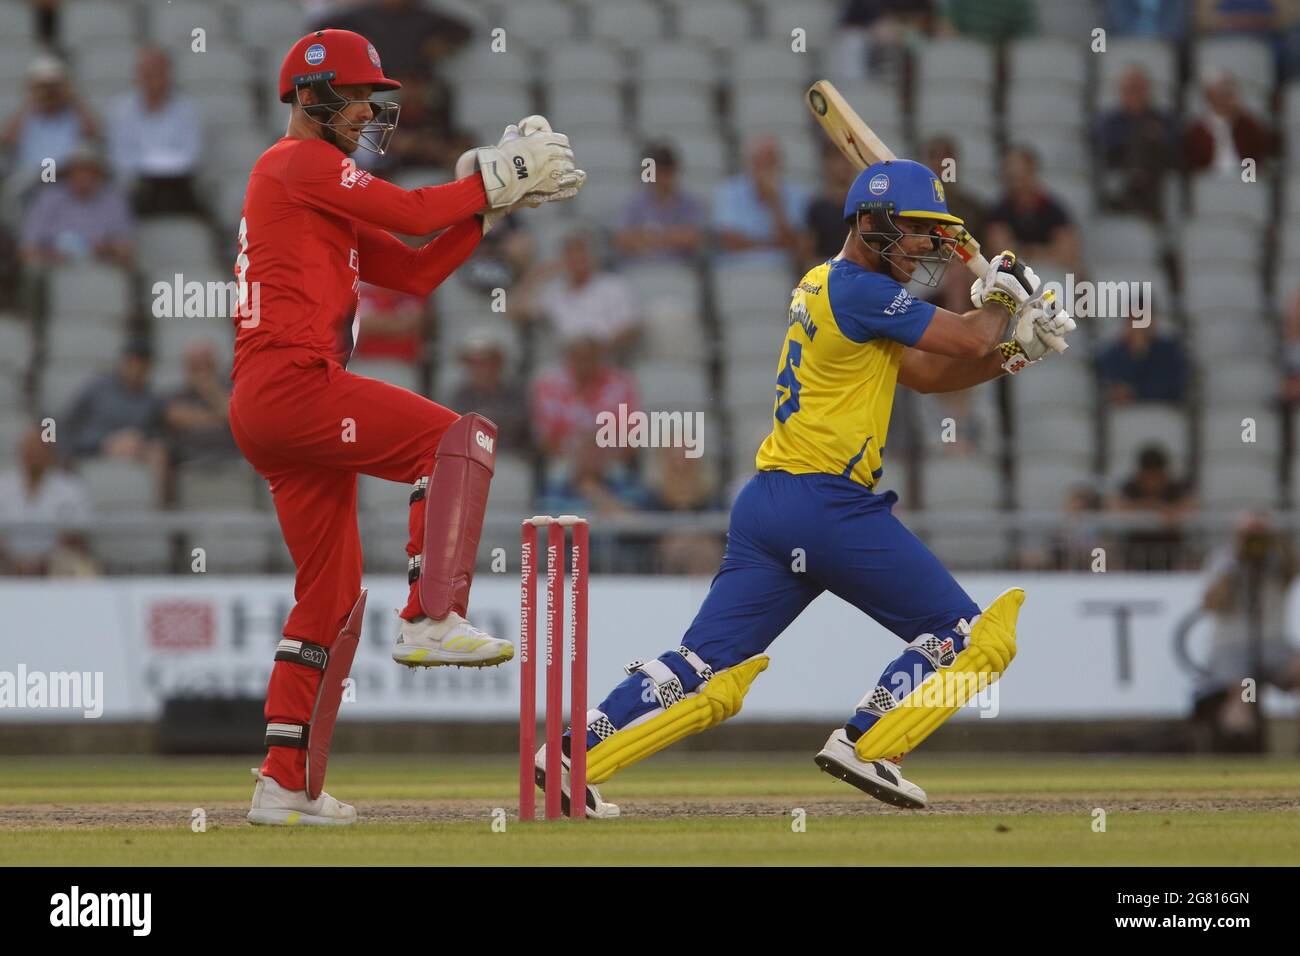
(815, 518)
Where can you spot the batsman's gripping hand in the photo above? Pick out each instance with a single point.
(1042, 322)
(1008, 281)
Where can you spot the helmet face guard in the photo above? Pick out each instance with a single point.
(373, 135)
(886, 237)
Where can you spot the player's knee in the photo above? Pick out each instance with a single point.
(671, 676)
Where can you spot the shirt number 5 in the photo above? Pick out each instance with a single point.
(789, 381)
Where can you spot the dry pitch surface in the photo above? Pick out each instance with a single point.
(762, 809)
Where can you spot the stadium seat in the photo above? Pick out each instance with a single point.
(481, 104)
(961, 484)
(702, 152)
(1042, 63)
(270, 26)
(1234, 483)
(1048, 432)
(1043, 484)
(1208, 288)
(538, 22)
(1218, 336)
(669, 297)
(1248, 380)
(584, 62)
(512, 485)
(379, 495)
(115, 484)
(629, 23)
(1229, 199)
(720, 23)
(1222, 431)
(90, 22)
(1131, 427)
(940, 108)
(17, 343)
(74, 342)
(751, 380)
(480, 64)
(969, 549)
(769, 62)
(17, 23)
(674, 108)
(816, 18)
(197, 71)
(775, 107)
(963, 65)
(215, 486)
(172, 25)
(754, 290)
(1063, 383)
(1130, 239)
(879, 104)
(675, 66)
(674, 384)
(88, 291)
(1156, 56)
(573, 105)
(1033, 109)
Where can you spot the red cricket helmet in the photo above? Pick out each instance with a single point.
(329, 58)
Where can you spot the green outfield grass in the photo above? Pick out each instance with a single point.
(678, 810)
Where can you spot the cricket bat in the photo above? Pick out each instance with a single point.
(863, 147)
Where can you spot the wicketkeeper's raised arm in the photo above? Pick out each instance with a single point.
(388, 262)
(320, 177)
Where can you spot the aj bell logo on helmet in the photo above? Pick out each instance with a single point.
(315, 54)
(879, 184)
(484, 441)
(521, 167)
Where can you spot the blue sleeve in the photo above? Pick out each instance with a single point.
(867, 306)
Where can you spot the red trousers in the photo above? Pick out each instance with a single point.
(309, 427)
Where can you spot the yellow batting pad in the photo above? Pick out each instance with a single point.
(716, 700)
(989, 650)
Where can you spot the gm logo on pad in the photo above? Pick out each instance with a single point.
(879, 184)
(484, 441)
(315, 54)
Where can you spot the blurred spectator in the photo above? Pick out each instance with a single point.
(81, 216)
(825, 220)
(49, 124)
(1165, 19)
(582, 299)
(413, 37)
(484, 387)
(392, 324)
(155, 139)
(1262, 18)
(1246, 592)
(1291, 351)
(196, 415)
(37, 490)
(758, 215)
(565, 404)
(1153, 488)
(1226, 132)
(116, 414)
(972, 413)
(941, 155)
(685, 486)
(872, 36)
(1141, 366)
(503, 258)
(992, 21)
(663, 221)
(429, 137)
(1138, 145)
(1028, 220)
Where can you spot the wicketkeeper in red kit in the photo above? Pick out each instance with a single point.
(314, 227)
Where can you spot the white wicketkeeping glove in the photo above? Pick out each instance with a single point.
(1008, 281)
(535, 162)
(468, 161)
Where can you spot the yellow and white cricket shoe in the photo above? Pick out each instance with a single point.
(451, 642)
(596, 807)
(275, 806)
(883, 779)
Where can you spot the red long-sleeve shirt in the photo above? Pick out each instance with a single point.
(315, 226)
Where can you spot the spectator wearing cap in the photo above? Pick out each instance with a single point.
(662, 222)
(577, 298)
(81, 216)
(759, 215)
(1141, 366)
(1153, 488)
(196, 416)
(1138, 146)
(1226, 132)
(484, 387)
(38, 491)
(1029, 220)
(155, 139)
(47, 126)
(117, 414)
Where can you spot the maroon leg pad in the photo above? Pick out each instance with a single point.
(328, 696)
(453, 519)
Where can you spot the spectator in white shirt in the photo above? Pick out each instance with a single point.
(37, 491)
(156, 140)
(582, 299)
(49, 124)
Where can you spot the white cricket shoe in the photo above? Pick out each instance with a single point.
(883, 779)
(273, 805)
(596, 807)
(451, 641)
